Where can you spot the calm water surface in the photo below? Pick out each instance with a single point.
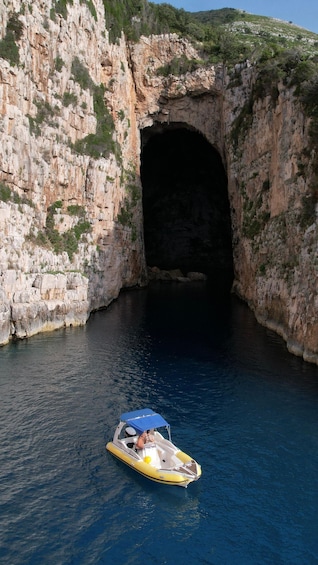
(237, 401)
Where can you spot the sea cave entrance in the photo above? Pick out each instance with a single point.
(185, 203)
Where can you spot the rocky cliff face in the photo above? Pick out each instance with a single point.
(275, 230)
(71, 223)
(70, 192)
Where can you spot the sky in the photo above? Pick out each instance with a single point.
(303, 13)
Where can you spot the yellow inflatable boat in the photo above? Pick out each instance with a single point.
(159, 460)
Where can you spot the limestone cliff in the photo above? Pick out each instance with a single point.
(275, 229)
(88, 204)
(71, 224)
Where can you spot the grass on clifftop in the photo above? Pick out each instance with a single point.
(225, 35)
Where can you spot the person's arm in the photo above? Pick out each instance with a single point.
(140, 442)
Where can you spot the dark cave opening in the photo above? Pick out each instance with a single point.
(185, 202)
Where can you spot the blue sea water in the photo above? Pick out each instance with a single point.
(237, 401)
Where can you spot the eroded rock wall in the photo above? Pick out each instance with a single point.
(46, 107)
(275, 239)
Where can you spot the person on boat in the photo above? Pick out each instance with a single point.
(145, 437)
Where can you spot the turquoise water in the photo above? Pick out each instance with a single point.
(237, 401)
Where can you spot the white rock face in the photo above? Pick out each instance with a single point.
(93, 203)
(275, 252)
(41, 288)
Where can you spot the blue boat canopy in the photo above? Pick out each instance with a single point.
(145, 419)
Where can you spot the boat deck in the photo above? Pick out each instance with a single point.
(164, 453)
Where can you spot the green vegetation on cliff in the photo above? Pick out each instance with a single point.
(178, 66)
(8, 45)
(67, 241)
(9, 195)
(225, 35)
(60, 7)
(129, 205)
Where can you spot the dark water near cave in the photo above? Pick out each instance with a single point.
(237, 401)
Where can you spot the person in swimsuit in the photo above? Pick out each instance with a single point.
(145, 437)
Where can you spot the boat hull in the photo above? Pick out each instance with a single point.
(164, 476)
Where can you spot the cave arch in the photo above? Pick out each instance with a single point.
(185, 202)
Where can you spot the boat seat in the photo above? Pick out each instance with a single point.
(130, 437)
(129, 442)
